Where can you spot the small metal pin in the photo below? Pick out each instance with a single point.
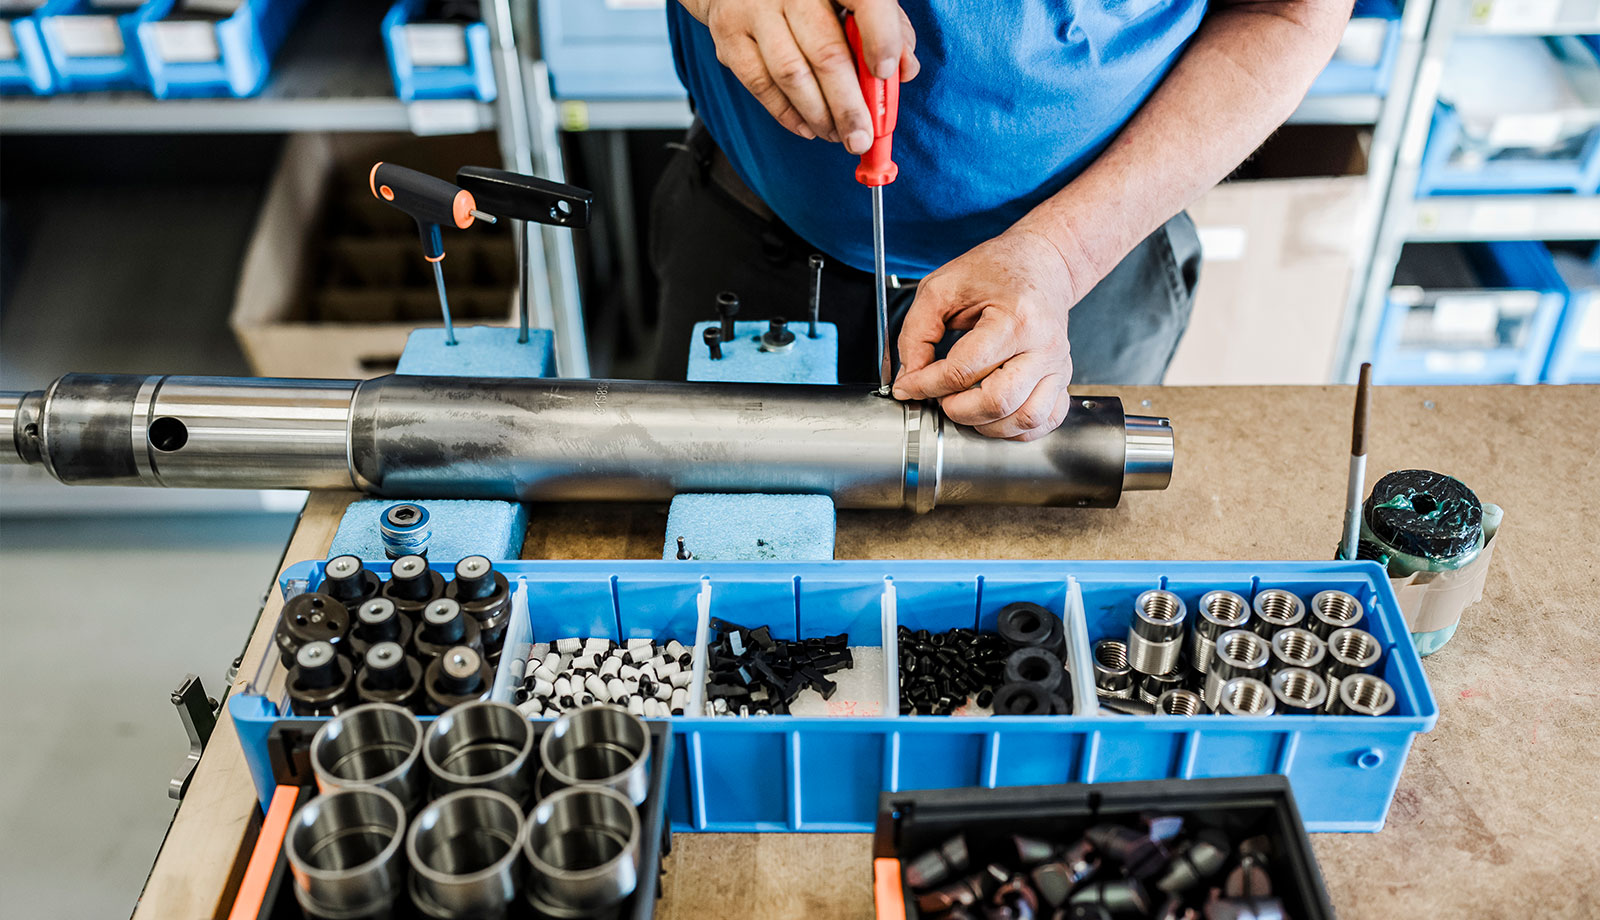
(683, 552)
(713, 339)
(486, 218)
(816, 292)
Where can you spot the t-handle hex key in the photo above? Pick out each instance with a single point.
(531, 199)
(431, 202)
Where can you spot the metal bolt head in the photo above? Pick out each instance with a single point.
(441, 612)
(408, 567)
(403, 515)
(342, 566)
(473, 567)
(376, 611)
(460, 663)
(314, 654)
(385, 655)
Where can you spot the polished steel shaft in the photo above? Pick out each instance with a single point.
(568, 440)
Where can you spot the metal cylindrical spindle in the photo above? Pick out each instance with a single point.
(569, 440)
(583, 846)
(1155, 637)
(480, 745)
(599, 746)
(376, 744)
(463, 853)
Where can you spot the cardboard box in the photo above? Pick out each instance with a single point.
(334, 280)
(1276, 271)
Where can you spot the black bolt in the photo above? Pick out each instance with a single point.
(778, 334)
(727, 308)
(713, 337)
(683, 552)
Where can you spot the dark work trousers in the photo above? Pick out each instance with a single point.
(709, 233)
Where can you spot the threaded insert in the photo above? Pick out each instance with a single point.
(1111, 653)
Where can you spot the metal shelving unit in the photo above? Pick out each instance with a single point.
(1430, 26)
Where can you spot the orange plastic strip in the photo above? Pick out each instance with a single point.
(247, 904)
(887, 895)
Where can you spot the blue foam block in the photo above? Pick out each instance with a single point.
(460, 528)
(480, 351)
(717, 526)
(809, 361)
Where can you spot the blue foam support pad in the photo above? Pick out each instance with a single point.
(480, 351)
(718, 526)
(460, 529)
(809, 361)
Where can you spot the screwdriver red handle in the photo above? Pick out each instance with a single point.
(883, 101)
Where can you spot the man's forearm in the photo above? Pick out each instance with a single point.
(1243, 74)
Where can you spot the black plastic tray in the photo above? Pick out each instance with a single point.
(289, 744)
(912, 822)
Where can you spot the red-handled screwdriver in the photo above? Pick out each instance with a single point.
(876, 170)
(431, 202)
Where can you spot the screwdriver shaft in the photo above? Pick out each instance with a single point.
(880, 292)
(444, 305)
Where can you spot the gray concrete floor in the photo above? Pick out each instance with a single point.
(100, 618)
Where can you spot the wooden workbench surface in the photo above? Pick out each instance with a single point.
(1496, 812)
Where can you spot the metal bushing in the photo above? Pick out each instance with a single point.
(485, 595)
(1155, 637)
(320, 681)
(1331, 610)
(582, 844)
(412, 585)
(377, 620)
(1246, 696)
(1276, 609)
(1022, 699)
(463, 849)
(1363, 695)
(1114, 898)
(350, 582)
(344, 853)
(388, 675)
(1024, 623)
(1238, 653)
(1181, 702)
(306, 618)
(1219, 611)
(1031, 664)
(481, 745)
(460, 675)
(444, 626)
(378, 745)
(1298, 691)
(1296, 648)
(599, 746)
(404, 530)
(1112, 676)
(1153, 686)
(1351, 651)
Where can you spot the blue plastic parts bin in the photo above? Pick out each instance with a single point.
(1342, 78)
(1575, 353)
(122, 70)
(1518, 264)
(471, 78)
(781, 773)
(245, 45)
(30, 70)
(598, 50)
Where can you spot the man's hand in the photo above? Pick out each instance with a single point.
(793, 57)
(1007, 377)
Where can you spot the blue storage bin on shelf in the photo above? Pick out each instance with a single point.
(1524, 151)
(92, 47)
(824, 772)
(24, 65)
(1575, 353)
(1469, 313)
(225, 57)
(437, 60)
(1364, 61)
(599, 50)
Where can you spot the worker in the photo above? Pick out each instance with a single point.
(1046, 151)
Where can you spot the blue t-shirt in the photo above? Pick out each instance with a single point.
(1013, 101)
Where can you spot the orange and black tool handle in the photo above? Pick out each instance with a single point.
(520, 197)
(883, 101)
(431, 202)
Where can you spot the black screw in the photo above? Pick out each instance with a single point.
(778, 333)
(727, 308)
(683, 552)
(713, 337)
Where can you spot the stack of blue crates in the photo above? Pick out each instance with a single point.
(90, 47)
(234, 60)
